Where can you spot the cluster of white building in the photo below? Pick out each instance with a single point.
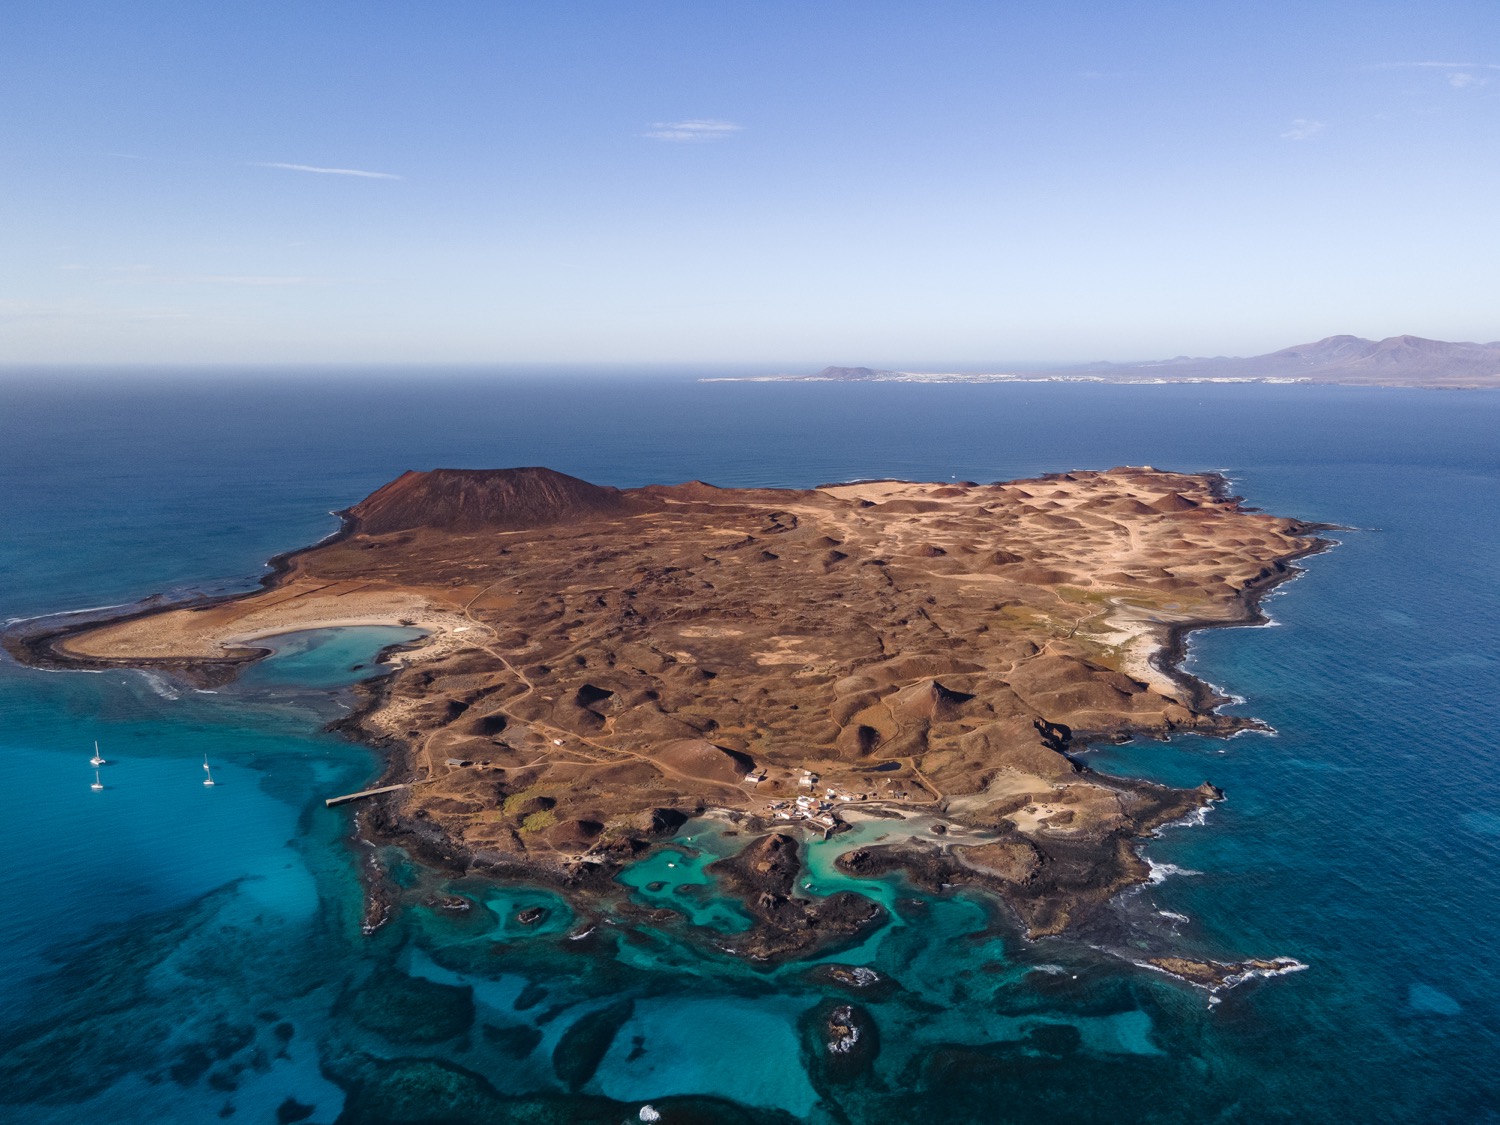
(811, 807)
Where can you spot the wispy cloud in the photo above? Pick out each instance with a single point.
(138, 274)
(1303, 128)
(79, 267)
(1437, 66)
(327, 171)
(13, 311)
(698, 129)
(1460, 75)
(72, 316)
(257, 281)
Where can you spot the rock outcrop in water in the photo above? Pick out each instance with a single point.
(764, 877)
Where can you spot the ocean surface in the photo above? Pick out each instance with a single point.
(179, 953)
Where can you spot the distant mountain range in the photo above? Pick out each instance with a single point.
(1399, 361)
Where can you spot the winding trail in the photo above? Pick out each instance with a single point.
(428, 748)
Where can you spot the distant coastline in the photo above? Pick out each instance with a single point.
(1398, 361)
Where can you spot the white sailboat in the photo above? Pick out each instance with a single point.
(208, 778)
(96, 761)
(98, 785)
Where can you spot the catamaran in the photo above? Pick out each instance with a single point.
(97, 783)
(96, 761)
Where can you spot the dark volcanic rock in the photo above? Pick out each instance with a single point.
(842, 1041)
(764, 876)
(856, 978)
(660, 822)
(1051, 882)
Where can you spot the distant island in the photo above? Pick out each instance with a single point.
(1399, 361)
(601, 665)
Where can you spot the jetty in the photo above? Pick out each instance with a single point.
(331, 801)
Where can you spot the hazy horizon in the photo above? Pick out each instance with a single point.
(667, 183)
(583, 368)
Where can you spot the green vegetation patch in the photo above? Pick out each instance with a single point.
(539, 821)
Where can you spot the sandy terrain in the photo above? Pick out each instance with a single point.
(214, 632)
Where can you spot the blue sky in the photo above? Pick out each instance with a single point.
(944, 185)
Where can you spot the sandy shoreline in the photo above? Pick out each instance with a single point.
(226, 630)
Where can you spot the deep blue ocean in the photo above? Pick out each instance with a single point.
(175, 953)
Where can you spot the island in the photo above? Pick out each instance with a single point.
(600, 665)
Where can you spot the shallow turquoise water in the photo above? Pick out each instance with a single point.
(174, 953)
(674, 879)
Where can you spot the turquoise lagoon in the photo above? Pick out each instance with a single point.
(178, 953)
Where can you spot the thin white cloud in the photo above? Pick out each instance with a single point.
(327, 171)
(148, 275)
(77, 315)
(1303, 128)
(1437, 66)
(259, 281)
(13, 311)
(696, 130)
(1461, 75)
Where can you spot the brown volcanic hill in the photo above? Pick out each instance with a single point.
(496, 499)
